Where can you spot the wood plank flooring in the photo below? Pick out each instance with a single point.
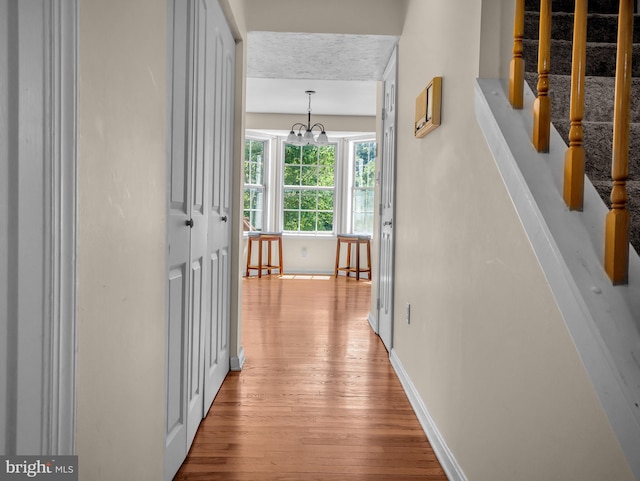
(317, 399)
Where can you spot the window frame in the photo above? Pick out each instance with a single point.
(351, 180)
(266, 170)
(335, 189)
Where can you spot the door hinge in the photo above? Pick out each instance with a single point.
(378, 304)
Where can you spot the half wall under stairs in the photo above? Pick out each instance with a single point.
(603, 319)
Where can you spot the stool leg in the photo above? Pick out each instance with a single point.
(269, 264)
(349, 246)
(249, 243)
(259, 258)
(280, 261)
(337, 257)
(358, 261)
(369, 257)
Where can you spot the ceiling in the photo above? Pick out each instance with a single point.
(342, 69)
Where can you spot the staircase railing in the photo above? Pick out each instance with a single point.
(616, 244)
(573, 191)
(542, 104)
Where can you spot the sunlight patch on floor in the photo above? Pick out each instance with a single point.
(306, 276)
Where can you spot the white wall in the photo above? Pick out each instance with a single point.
(487, 348)
(121, 239)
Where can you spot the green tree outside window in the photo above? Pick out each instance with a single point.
(309, 180)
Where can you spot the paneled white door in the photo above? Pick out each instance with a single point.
(218, 124)
(202, 56)
(179, 266)
(387, 201)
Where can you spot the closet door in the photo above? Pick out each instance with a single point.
(219, 124)
(201, 167)
(197, 358)
(179, 267)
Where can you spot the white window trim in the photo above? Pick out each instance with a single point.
(348, 226)
(337, 206)
(267, 177)
(273, 216)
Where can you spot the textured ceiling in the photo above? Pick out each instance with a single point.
(318, 56)
(342, 69)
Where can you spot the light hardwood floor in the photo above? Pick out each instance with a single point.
(317, 399)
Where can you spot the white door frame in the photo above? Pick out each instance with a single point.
(38, 186)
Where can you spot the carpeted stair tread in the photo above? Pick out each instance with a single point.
(599, 93)
(597, 6)
(600, 27)
(601, 58)
(597, 143)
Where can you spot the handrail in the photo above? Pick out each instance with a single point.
(616, 251)
(516, 74)
(542, 104)
(574, 160)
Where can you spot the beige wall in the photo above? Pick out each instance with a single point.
(487, 348)
(121, 239)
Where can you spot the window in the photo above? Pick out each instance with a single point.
(254, 195)
(308, 188)
(362, 188)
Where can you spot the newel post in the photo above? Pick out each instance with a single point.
(574, 158)
(516, 71)
(616, 250)
(542, 104)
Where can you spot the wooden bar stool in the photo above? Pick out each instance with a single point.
(357, 241)
(268, 238)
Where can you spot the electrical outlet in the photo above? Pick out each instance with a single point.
(304, 252)
(407, 314)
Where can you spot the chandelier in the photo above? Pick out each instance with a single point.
(307, 138)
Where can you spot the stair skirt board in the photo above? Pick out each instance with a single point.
(448, 461)
(600, 317)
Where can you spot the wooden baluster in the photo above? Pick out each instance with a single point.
(516, 73)
(574, 158)
(616, 247)
(542, 104)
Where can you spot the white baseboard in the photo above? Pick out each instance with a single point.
(373, 322)
(439, 445)
(236, 362)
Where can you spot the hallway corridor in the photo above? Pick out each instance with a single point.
(317, 399)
